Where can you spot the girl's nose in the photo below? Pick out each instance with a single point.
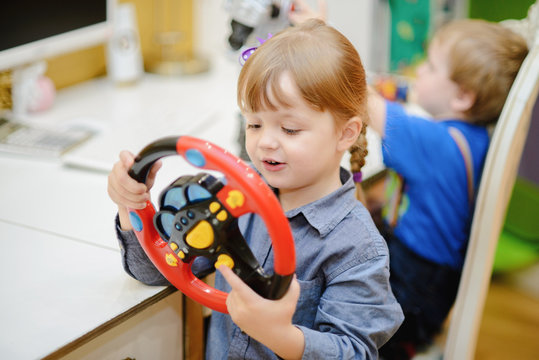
(268, 139)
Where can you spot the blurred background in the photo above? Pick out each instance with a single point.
(391, 36)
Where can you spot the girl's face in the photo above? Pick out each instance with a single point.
(295, 148)
(433, 87)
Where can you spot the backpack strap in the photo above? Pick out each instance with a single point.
(395, 183)
(464, 148)
(394, 188)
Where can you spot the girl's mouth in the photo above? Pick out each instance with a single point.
(272, 165)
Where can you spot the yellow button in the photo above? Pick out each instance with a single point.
(181, 254)
(222, 215)
(225, 260)
(173, 246)
(201, 236)
(214, 206)
(235, 199)
(171, 260)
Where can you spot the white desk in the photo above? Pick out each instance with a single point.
(60, 264)
(63, 283)
(72, 202)
(56, 291)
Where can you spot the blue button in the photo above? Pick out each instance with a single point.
(135, 221)
(165, 219)
(197, 193)
(195, 157)
(174, 197)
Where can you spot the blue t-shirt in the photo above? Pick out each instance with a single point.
(346, 308)
(435, 216)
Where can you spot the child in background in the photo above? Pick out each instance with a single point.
(463, 85)
(303, 94)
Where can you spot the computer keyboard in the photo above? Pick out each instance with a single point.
(32, 140)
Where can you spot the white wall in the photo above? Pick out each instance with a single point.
(364, 22)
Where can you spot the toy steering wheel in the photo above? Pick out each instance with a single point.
(198, 217)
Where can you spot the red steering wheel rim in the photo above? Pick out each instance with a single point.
(257, 198)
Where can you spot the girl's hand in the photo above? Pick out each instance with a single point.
(127, 192)
(302, 11)
(267, 321)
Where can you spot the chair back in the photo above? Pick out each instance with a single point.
(497, 181)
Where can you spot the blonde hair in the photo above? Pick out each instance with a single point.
(326, 69)
(483, 58)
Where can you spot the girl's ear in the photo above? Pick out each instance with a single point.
(463, 101)
(349, 133)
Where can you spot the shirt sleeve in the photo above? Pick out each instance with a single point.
(356, 316)
(139, 266)
(409, 141)
(135, 261)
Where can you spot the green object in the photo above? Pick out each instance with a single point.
(518, 246)
(513, 253)
(497, 10)
(410, 22)
(522, 217)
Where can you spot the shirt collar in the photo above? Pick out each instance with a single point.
(324, 214)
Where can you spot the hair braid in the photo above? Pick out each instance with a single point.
(358, 152)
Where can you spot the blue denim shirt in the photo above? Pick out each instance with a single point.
(346, 309)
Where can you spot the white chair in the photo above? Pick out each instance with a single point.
(497, 182)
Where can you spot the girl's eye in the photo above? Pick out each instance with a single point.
(291, 131)
(253, 126)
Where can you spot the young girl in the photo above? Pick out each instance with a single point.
(303, 94)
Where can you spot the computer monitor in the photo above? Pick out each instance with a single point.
(33, 30)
